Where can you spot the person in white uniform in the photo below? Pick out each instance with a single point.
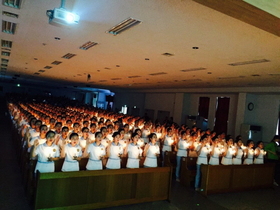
(47, 153)
(146, 132)
(182, 152)
(96, 152)
(168, 141)
(41, 139)
(151, 152)
(237, 159)
(202, 153)
(228, 153)
(92, 132)
(215, 152)
(249, 153)
(140, 142)
(72, 153)
(64, 138)
(259, 153)
(124, 142)
(134, 152)
(84, 138)
(114, 152)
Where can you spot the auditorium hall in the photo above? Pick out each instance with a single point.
(158, 104)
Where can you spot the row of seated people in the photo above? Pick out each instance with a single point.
(185, 141)
(49, 152)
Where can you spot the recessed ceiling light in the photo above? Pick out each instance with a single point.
(88, 45)
(249, 62)
(124, 25)
(159, 73)
(56, 62)
(133, 76)
(68, 55)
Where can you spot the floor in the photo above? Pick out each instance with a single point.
(12, 196)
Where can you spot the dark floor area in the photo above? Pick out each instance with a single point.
(12, 194)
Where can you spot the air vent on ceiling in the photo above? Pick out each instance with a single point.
(274, 74)
(68, 56)
(249, 62)
(56, 62)
(191, 80)
(41, 71)
(159, 73)
(193, 69)
(255, 75)
(231, 77)
(139, 83)
(168, 54)
(12, 3)
(47, 67)
(5, 53)
(9, 14)
(133, 76)
(102, 80)
(6, 43)
(8, 27)
(36, 73)
(87, 45)
(124, 25)
(116, 78)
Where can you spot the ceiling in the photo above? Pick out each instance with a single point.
(178, 44)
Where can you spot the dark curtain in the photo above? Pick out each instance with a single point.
(203, 108)
(222, 111)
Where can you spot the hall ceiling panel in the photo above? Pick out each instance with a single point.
(195, 33)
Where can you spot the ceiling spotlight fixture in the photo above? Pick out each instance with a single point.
(60, 16)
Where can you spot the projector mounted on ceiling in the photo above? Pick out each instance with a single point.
(60, 16)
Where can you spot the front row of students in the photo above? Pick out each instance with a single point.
(49, 152)
(230, 154)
